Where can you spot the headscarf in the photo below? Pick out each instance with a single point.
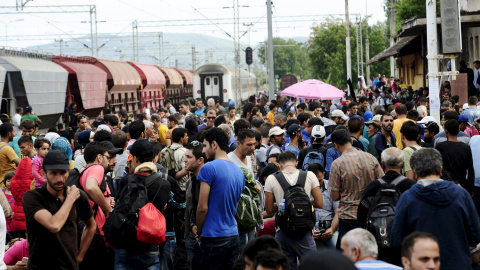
(84, 137)
(62, 144)
(367, 116)
(52, 136)
(192, 130)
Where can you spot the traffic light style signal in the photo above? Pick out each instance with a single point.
(249, 55)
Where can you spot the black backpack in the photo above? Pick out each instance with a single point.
(299, 215)
(381, 211)
(74, 180)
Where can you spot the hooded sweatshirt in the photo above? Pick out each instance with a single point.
(444, 210)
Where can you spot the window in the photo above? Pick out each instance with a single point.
(215, 81)
(207, 81)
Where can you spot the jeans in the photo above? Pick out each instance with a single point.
(344, 226)
(125, 260)
(245, 237)
(167, 254)
(295, 248)
(191, 246)
(330, 243)
(216, 253)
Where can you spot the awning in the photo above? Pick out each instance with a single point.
(45, 83)
(91, 81)
(124, 76)
(172, 75)
(187, 76)
(392, 51)
(3, 74)
(152, 77)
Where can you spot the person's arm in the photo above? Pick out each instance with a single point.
(335, 195)
(181, 173)
(168, 142)
(39, 121)
(7, 210)
(37, 173)
(97, 196)
(54, 223)
(202, 208)
(317, 197)
(270, 206)
(410, 174)
(87, 236)
(333, 227)
(18, 266)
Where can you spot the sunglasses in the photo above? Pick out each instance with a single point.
(211, 118)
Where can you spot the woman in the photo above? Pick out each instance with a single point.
(84, 138)
(63, 144)
(192, 130)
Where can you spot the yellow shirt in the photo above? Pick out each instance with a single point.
(270, 118)
(162, 133)
(7, 155)
(397, 125)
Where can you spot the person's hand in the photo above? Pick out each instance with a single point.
(198, 238)
(73, 192)
(316, 234)
(21, 265)
(112, 202)
(194, 230)
(79, 259)
(327, 234)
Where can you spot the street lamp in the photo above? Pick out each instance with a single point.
(6, 29)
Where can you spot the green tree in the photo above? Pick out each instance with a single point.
(407, 9)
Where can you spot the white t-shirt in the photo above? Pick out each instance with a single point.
(16, 120)
(233, 158)
(272, 185)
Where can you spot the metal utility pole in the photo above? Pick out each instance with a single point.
(392, 42)
(432, 57)
(271, 80)
(347, 41)
(194, 60)
(238, 88)
(367, 46)
(135, 40)
(60, 41)
(160, 45)
(176, 63)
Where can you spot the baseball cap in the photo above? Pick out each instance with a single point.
(465, 106)
(112, 149)
(231, 103)
(339, 113)
(56, 160)
(141, 147)
(462, 118)
(104, 127)
(376, 121)
(28, 109)
(396, 104)
(293, 129)
(276, 131)
(318, 132)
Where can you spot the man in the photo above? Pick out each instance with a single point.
(373, 127)
(194, 161)
(384, 138)
(81, 125)
(221, 181)
(472, 113)
(466, 127)
(200, 108)
(318, 111)
(456, 157)
(119, 140)
(438, 207)
(361, 247)
(431, 129)
(280, 119)
(420, 251)
(441, 137)
(277, 140)
(257, 245)
(184, 109)
(168, 106)
(362, 106)
(180, 139)
(51, 214)
(307, 131)
(25, 144)
(316, 145)
(339, 117)
(172, 124)
(378, 100)
(326, 218)
(296, 141)
(303, 118)
(349, 175)
(241, 156)
(67, 134)
(260, 153)
(136, 129)
(220, 109)
(29, 115)
(262, 104)
(139, 255)
(28, 129)
(8, 158)
(123, 115)
(211, 115)
(271, 259)
(476, 82)
(355, 128)
(352, 110)
(295, 247)
(401, 113)
(410, 134)
(302, 108)
(16, 120)
(162, 129)
(247, 108)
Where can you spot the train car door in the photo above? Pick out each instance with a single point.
(211, 86)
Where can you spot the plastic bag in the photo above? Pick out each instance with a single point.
(152, 226)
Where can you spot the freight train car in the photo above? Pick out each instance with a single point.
(288, 80)
(151, 91)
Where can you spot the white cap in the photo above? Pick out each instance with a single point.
(104, 127)
(465, 106)
(276, 131)
(318, 132)
(339, 113)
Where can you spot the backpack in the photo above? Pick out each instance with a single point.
(248, 211)
(270, 150)
(313, 157)
(74, 180)
(381, 211)
(120, 228)
(167, 160)
(299, 215)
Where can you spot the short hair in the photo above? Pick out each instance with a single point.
(363, 240)
(219, 136)
(385, 115)
(302, 117)
(423, 99)
(341, 137)
(476, 62)
(315, 121)
(379, 110)
(243, 134)
(141, 116)
(354, 124)
(349, 98)
(119, 139)
(409, 241)
(60, 126)
(265, 129)
(272, 106)
(302, 106)
(166, 101)
(447, 103)
(351, 104)
(185, 103)
(211, 109)
(80, 117)
(256, 245)
(92, 150)
(362, 99)
(426, 162)
(155, 117)
(226, 128)
(157, 148)
(27, 124)
(231, 108)
(96, 123)
(286, 157)
(452, 127)
(25, 139)
(102, 135)
(172, 118)
(316, 168)
(432, 127)
(473, 100)
(291, 122)
(410, 130)
(251, 98)
(39, 143)
(449, 115)
(274, 155)
(112, 119)
(401, 109)
(52, 129)
(272, 258)
(5, 128)
(178, 134)
(220, 120)
(410, 105)
(123, 113)
(19, 109)
(136, 128)
(240, 124)
(281, 116)
(197, 151)
(393, 157)
(421, 109)
(257, 122)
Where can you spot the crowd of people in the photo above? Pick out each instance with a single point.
(283, 185)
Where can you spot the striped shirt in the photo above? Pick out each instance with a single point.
(350, 174)
(380, 265)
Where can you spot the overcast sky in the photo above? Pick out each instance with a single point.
(119, 14)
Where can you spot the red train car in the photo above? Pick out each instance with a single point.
(174, 84)
(153, 82)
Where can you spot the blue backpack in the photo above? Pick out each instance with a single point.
(313, 157)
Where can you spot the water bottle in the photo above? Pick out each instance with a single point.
(281, 208)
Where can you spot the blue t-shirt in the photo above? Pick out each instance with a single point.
(292, 149)
(365, 265)
(226, 182)
(201, 111)
(16, 147)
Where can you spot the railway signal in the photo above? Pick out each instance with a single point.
(249, 55)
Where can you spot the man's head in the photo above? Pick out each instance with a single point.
(476, 64)
(392, 158)
(96, 153)
(420, 251)
(462, 122)
(231, 111)
(55, 169)
(141, 151)
(263, 101)
(303, 118)
(210, 102)
(28, 109)
(167, 103)
(102, 135)
(184, 107)
(19, 110)
(426, 162)
(194, 156)
(287, 158)
(211, 115)
(251, 99)
(215, 142)
(341, 138)
(271, 259)
(136, 129)
(112, 154)
(280, 119)
(253, 247)
(200, 103)
(240, 124)
(387, 123)
(277, 136)
(265, 129)
(301, 108)
(28, 127)
(359, 244)
(179, 135)
(355, 125)
(172, 122)
(318, 170)
(26, 145)
(422, 111)
(313, 121)
(431, 129)
(451, 127)
(119, 139)
(246, 142)
(410, 132)
(339, 117)
(82, 122)
(401, 110)
(362, 102)
(257, 123)
(353, 108)
(374, 125)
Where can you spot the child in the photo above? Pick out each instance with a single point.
(41, 146)
(9, 196)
